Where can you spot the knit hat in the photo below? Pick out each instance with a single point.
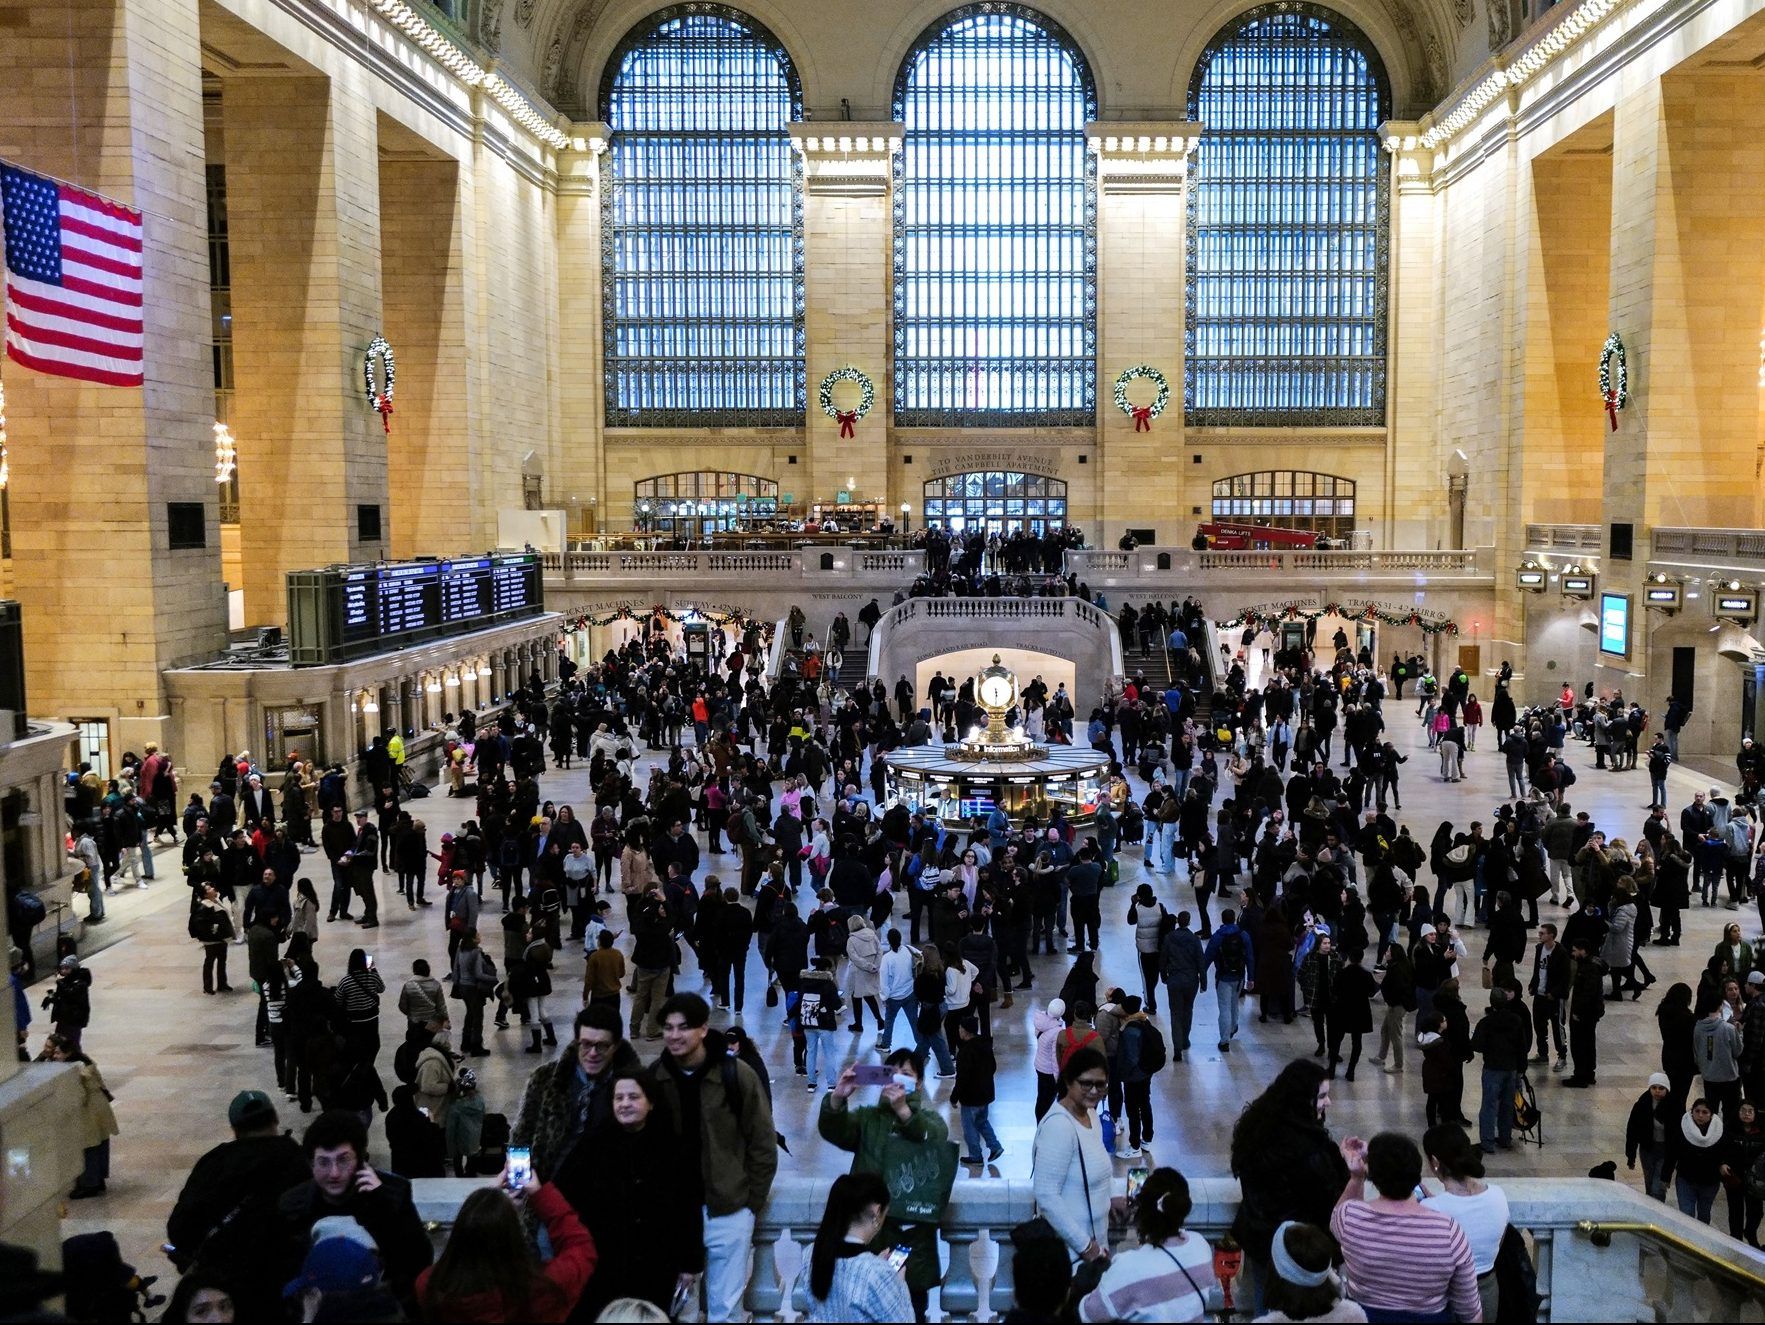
(250, 1109)
(1426, 930)
(1660, 1079)
(336, 1265)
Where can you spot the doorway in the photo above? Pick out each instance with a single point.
(93, 736)
(1685, 677)
(1471, 659)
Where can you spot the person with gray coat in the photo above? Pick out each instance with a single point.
(1179, 966)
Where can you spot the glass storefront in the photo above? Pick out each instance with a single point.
(698, 503)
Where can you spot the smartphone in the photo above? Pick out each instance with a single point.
(520, 1167)
(370, 961)
(898, 1255)
(873, 1074)
(1136, 1180)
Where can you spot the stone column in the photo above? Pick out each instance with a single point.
(582, 464)
(847, 231)
(1688, 297)
(422, 267)
(303, 198)
(107, 603)
(1415, 477)
(1142, 220)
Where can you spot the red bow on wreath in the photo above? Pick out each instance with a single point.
(1612, 408)
(847, 418)
(384, 405)
(1142, 418)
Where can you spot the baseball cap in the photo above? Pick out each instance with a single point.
(1756, 977)
(250, 1108)
(336, 1265)
(346, 1227)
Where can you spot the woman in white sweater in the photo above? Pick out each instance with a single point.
(1071, 1170)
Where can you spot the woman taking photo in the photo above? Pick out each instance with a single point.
(1166, 1277)
(486, 1273)
(1070, 1169)
(1480, 1208)
(843, 1280)
(629, 1183)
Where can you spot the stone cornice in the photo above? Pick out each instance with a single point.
(1142, 156)
(849, 158)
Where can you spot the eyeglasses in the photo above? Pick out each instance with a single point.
(1092, 1085)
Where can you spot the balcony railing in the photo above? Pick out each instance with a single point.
(1036, 611)
(1563, 537)
(1603, 1250)
(1741, 549)
(1165, 563)
(809, 564)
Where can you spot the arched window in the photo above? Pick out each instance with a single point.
(702, 501)
(1288, 225)
(702, 225)
(1287, 499)
(998, 501)
(995, 225)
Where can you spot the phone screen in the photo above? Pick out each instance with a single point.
(1136, 1180)
(898, 1256)
(520, 1167)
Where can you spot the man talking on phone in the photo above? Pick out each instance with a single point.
(344, 1183)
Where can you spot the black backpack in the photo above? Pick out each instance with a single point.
(1229, 960)
(1153, 1054)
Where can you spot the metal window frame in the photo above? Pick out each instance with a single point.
(1367, 413)
(1015, 487)
(624, 414)
(1082, 366)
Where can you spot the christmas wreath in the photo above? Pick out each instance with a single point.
(847, 417)
(1614, 391)
(379, 398)
(1142, 415)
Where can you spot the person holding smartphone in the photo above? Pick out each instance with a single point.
(843, 1279)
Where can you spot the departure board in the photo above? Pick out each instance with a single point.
(347, 612)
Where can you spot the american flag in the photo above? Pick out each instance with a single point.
(73, 280)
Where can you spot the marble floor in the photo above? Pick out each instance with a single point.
(174, 1057)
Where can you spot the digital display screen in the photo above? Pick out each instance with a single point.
(976, 807)
(1615, 624)
(1663, 597)
(1529, 579)
(358, 610)
(1577, 584)
(1731, 604)
(465, 589)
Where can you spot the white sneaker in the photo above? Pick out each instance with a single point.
(142, 883)
(1127, 1152)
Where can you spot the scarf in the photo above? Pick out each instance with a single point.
(1702, 1140)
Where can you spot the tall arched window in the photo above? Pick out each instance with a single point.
(995, 225)
(702, 225)
(1288, 224)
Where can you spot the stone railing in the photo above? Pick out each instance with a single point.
(1172, 564)
(1563, 537)
(1033, 612)
(806, 564)
(1603, 1250)
(1740, 548)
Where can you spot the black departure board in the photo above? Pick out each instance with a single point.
(347, 612)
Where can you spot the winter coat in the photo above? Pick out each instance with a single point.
(1620, 936)
(738, 1147)
(434, 1083)
(543, 1122)
(1295, 1172)
(1351, 1012)
(864, 953)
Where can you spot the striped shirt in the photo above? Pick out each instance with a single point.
(358, 994)
(1149, 1283)
(1412, 1261)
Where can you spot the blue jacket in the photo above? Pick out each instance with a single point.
(1211, 956)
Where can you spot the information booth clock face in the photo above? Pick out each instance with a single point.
(996, 691)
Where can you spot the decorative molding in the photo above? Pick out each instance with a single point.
(1412, 163)
(1507, 72)
(1142, 156)
(847, 158)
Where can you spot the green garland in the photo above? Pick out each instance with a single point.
(766, 628)
(1613, 349)
(1268, 620)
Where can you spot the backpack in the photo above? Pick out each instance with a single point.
(1153, 1054)
(1133, 823)
(404, 1061)
(1229, 960)
(28, 910)
(833, 938)
(928, 987)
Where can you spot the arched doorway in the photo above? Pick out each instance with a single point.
(995, 500)
(1287, 499)
(698, 503)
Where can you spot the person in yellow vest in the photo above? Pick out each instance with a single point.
(395, 748)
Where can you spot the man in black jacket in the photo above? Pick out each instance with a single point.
(1503, 1038)
(226, 1216)
(344, 1183)
(1587, 1004)
(1179, 966)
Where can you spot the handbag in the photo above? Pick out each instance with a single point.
(920, 1178)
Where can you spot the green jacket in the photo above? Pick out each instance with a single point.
(864, 1130)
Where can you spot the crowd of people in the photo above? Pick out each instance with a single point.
(727, 837)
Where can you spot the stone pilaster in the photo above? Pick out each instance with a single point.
(303, 197)
(582, 391)
(1142, 221)
(847, 230)
(423, 271)
(1415, 476)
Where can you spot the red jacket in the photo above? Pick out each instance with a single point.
(561, 1280)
